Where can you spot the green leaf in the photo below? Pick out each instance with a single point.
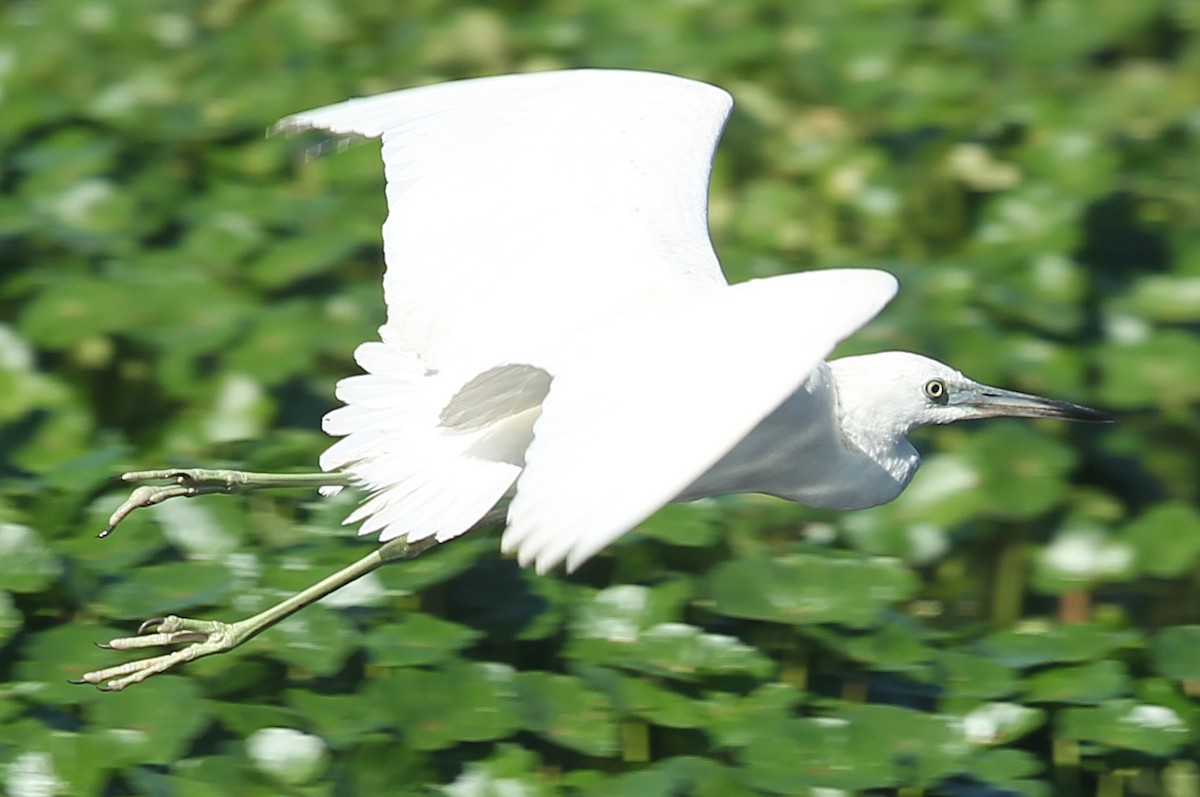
(1023, 470)
(863, 747)
(692, 524)
(696, 777)
(1154, 730)
(417, 639)
(675, 650)
(808, 588)
(11, 619)
(736, 720)
(967, 676)
(510, 770)
(26, 564)
(343, 720)
(1160, 370)
(658, 705)
(465, 702)
(153, 723)
(1010, 770)
(318, 640)
(1037, 644)
(564, 711)
(157, 590)
(1165, 539)
(1086, 684)
(1176, 652)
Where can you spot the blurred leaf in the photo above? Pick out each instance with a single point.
(1165, 539)
(658, 704)
(691, 524)
(1085, 684)
(1167, 297)
(340, 719)
(465, 702)
(417, 639)
(807, 588)
(689, 775)
(509, 770)
(1024, 471)
(152, 723)
(894, 646)
(674, 650)
(1034, 645)
(1176, 652)
(318, 640)
(736, 720)
(963, 675)
(1160, 370)
(11, 620)
(68, 762)
(26, 564)
(156, 590)
(864, 747)
(563, 710)
(1149, 729)
(1010, 769)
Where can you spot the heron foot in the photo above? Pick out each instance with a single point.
(191, 482)
(188, 483)
(206, 637)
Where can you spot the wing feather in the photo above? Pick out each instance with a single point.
(645, 406)
(527, 206)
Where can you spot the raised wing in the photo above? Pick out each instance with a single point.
(523, 207)
(647, 404)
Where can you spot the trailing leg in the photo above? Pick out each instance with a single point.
(208, 637)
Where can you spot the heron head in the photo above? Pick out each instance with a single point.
(892, 393)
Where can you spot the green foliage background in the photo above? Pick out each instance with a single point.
(178, 289)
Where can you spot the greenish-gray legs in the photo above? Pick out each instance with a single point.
(206, 637)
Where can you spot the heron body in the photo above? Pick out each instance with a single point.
(559, 328)
(560, 332)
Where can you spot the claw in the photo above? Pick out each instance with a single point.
(148, 624)
(188, 484)
(206, 637)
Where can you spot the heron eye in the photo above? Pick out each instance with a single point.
(935, 390)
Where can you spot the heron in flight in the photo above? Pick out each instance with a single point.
(560, 336)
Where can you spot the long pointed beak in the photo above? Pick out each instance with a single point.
(994, 402)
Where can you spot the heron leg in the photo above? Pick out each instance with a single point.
(207, 637)
(190, 482)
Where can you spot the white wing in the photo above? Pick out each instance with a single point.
(645, 404)
(522, 207)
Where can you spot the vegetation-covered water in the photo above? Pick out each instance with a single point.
(178, 289)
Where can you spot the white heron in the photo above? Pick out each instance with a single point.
(559, 332)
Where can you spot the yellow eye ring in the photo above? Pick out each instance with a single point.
(935, 390)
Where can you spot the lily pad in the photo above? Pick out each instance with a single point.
(417, 639)
(156, 590)
(810, 588)
(1084, 684)
(1146, 728)
(466, 702)
(1038, 644)
(153, 723)
(565, 711)
(1176, 652)
(26, 563)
